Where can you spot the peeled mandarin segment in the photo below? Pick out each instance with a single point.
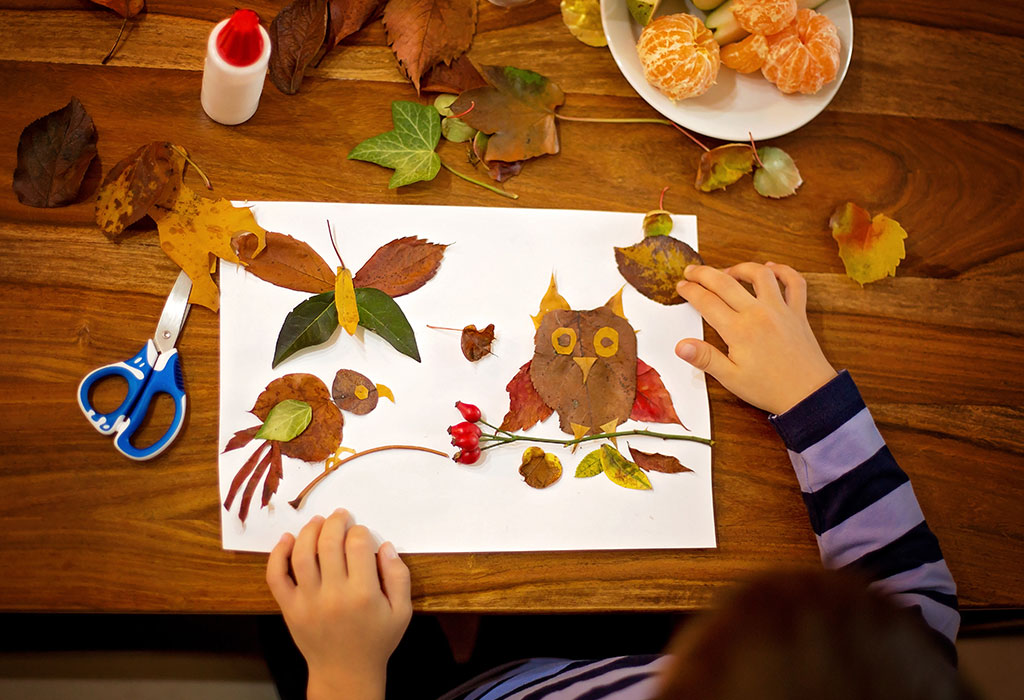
(764, 16)
(679, 56)
(746, 56)
(804, 56)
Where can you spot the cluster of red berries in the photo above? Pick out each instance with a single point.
(466, 435)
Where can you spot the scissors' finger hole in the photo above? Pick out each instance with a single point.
(158, 421)
(107, 394)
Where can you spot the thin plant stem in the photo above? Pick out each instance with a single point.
(467, 178)
(120, 31)
(297, 501)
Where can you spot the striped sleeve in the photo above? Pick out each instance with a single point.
(862, 507)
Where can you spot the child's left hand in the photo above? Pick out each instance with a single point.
(345, 619)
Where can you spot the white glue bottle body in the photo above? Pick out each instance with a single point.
(237, 54)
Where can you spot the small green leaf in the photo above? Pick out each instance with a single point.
(408, 147)
(443, 104)
(456, 130)
(310, 323)
(722, 166)
(379, 313)
(590, 466)
(778, 177)
(621, 471)
(657, 223)
(285, 421)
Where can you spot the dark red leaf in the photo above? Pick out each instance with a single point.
(653, 403)
(526, 408)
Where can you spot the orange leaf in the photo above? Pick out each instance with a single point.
(653, 403)
(870, 249)
(423, 33)
(526, 408)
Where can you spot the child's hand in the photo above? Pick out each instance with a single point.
(774, 360)
(345, 619)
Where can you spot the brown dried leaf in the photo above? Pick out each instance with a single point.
(286, 262)
(54, 153)
(347, 17)
(654, 462)
(423, 33)
(540, 469)
(584, 367)
(149, 177)
(476, 344)
(526, 407)
(454, 78)
(322, 436)
(296, 35)
(354, 392)
(654, 266)
(401, 266)
(125, 8)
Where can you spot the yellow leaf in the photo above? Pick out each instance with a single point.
(552, 300)
(195, 230)
(345, 301)
(870, 248)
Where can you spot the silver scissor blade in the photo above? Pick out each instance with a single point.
(173, 317)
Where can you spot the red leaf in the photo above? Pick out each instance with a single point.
(654, 462)
(286, 262)
(400, 266)
(454, 78)
(423, 33)
(526, 408)
(274, 475)
(242, 438)
(245, 471)
(653, 403)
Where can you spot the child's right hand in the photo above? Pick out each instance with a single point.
(774, 360)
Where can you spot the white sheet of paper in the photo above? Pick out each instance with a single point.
(496, 270)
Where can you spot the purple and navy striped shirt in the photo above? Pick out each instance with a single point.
(863, 512)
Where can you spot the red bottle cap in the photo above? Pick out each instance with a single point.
(240, 42)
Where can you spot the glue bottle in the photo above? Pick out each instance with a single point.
(237, 55)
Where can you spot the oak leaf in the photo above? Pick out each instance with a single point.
(286, 262)
(476, 344)
(653, 404)
(526, 407)
(132, 189)
(654, 266)
(54, 153)
(296, 35)
(322, 436)
(401, 266)
(423, 33)
(654, 462)
(517, 109)
(870, 248)
(724, 165)
(540, 469)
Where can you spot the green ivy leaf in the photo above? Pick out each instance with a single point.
(379, 313)
(778, 177)
(621, 471)
(722, 166)
(310, 323)
(285, 421)
(409, 147)
(590, 466)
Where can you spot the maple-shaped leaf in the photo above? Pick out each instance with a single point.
(724, 165)
(149, 177)
(54, 153)
(296, 35)
(777, 175)
(870, 248)
(401, 266)
(654, 462)
(453, 78)
(423, 33)
(409, 147)
(540, 469)
(125, 8)
(654, 266)
(653, 404)
(286, 262)
(517, 110)
(526, 407)
(347, 17)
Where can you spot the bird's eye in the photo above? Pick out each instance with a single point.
(606, 341)
(563, 340)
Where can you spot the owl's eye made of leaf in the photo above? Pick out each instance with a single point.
(563, 340)
(606, 341)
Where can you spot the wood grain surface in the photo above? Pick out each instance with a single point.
(926, 128)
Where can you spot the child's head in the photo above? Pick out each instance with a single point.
(810, 635)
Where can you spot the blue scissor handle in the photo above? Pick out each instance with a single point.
(135, 371)
(166, 379)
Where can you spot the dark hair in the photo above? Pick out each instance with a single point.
(812, 635)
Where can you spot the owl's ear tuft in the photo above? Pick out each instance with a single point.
(615, 304)
(552, 300)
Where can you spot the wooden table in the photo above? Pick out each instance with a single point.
(927, 128)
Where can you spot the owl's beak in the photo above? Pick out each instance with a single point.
(585, 364)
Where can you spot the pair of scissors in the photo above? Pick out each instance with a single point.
(156, 369)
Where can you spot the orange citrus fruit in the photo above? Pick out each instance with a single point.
(803, 56)
(679, 56)
(746, 56)
(764, 16)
